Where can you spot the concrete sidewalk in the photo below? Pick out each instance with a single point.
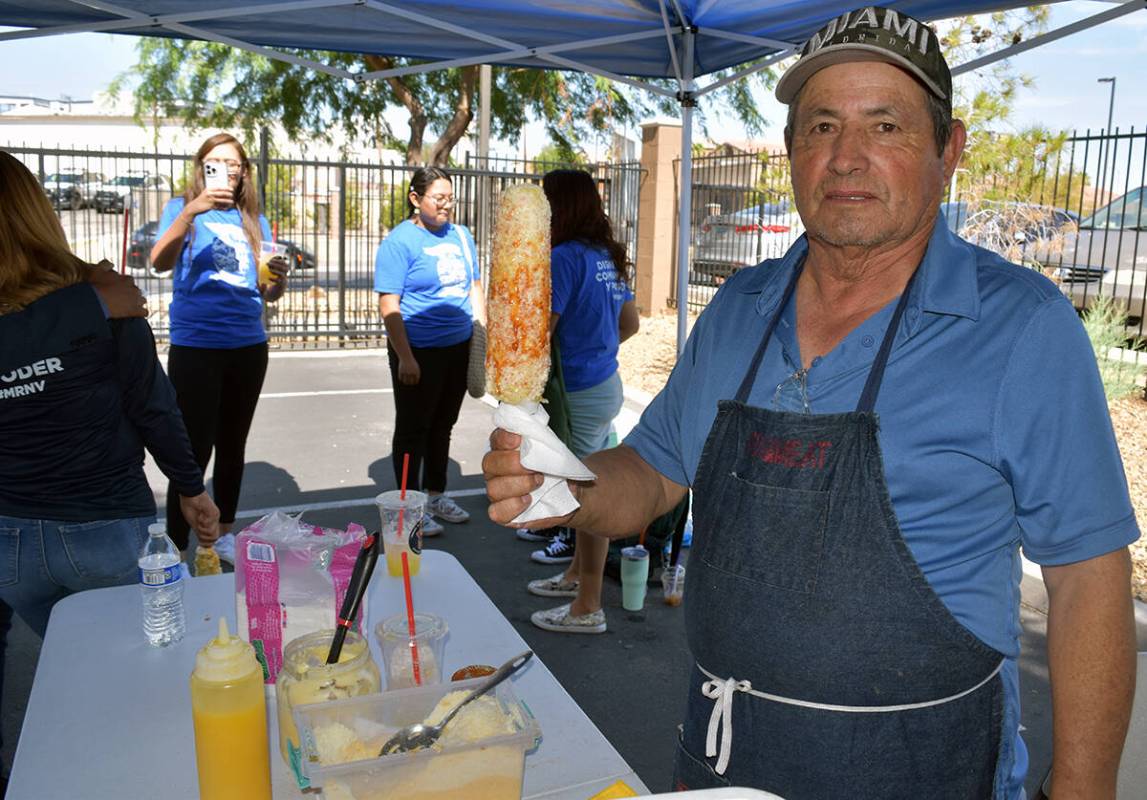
(321, 442)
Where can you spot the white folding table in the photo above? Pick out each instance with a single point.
(110, 716)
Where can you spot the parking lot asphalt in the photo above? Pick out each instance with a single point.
(321, 442)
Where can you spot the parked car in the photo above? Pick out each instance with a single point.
(134, 186)
(139, 248)
(143, 239)
(1108, 256)
(72, 189)
(728, 242)
(1026, 233)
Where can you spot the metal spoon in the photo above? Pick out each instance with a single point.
(415, 736)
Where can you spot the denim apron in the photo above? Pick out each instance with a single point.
(826, 666)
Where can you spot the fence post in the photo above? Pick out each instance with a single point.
(656, 216)
(342, 253)
(264, 164)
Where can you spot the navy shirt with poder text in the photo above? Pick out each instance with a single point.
(80, 398)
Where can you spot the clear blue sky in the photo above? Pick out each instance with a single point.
(1066, 94)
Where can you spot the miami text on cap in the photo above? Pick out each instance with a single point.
(874, 33)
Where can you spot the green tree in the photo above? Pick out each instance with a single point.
(279, 202)
(1030, 164)
(555, 156)
(1105, 322)
(210, 84)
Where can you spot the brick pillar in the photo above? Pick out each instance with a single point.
(657, 216)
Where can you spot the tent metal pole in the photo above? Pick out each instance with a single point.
(485, 92)
(136, 19)
(485, 80)
(669, 41)
(506, 55)
(431, 22)
(1129, 7)
(685, 192)
(613, 76)
(744, 73)
(198, 33)
(759, 41)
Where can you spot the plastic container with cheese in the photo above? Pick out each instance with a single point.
(484, 759)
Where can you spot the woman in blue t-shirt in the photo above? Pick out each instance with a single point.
(592, 314)
(211, 237)
(429, 294)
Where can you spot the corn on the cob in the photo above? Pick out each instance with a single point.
(518, 302)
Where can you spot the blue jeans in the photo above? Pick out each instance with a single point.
(42, 561)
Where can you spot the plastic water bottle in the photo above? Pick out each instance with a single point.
(161, 584)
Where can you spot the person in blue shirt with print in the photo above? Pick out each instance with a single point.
(211, 239)
(873, 427)
(592, 313)
(429, 294)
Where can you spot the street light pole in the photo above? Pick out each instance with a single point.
(1107, 140)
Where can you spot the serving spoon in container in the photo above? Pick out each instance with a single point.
(418, 735)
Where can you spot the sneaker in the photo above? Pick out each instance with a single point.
(561, 621)
(557, 586)
(530, 535)
(445, 508)
(225, 548)
(431, 526)
(560, 550)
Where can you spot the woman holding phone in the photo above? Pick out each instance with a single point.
(212, 237)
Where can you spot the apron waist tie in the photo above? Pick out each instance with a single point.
(721, 691)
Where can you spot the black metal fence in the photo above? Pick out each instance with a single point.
(1072, 206)
(333, 214)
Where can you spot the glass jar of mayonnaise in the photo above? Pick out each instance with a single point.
(306, 677)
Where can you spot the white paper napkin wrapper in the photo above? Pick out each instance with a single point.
(542, 451)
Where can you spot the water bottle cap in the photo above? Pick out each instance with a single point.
(226, 657)
(157, 529)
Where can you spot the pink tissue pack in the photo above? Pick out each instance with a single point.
(290, 580)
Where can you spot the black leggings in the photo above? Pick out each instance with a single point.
(217, 391)
(425, 413)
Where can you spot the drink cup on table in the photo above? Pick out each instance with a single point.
(398, 649)
(673, 584)
(634, 574)
(394, 509)
(267, 252)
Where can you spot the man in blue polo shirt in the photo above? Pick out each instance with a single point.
(873, 426)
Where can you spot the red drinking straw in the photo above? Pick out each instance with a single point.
(402, 490)
(410, 620)
(405, 471)
(406, 578)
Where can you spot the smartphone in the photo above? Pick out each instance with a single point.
(215, 175)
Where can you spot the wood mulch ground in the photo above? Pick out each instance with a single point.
(647, 358)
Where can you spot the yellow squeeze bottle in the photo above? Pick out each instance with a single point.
(229, 712)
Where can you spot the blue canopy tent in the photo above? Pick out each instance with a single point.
(681, 41)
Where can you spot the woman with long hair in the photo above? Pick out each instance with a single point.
(429, 294)
(211, 237)
(592, 313)
(81, 395)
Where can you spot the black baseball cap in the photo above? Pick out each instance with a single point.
(873, 33)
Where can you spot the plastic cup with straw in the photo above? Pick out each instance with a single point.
(397, 508)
